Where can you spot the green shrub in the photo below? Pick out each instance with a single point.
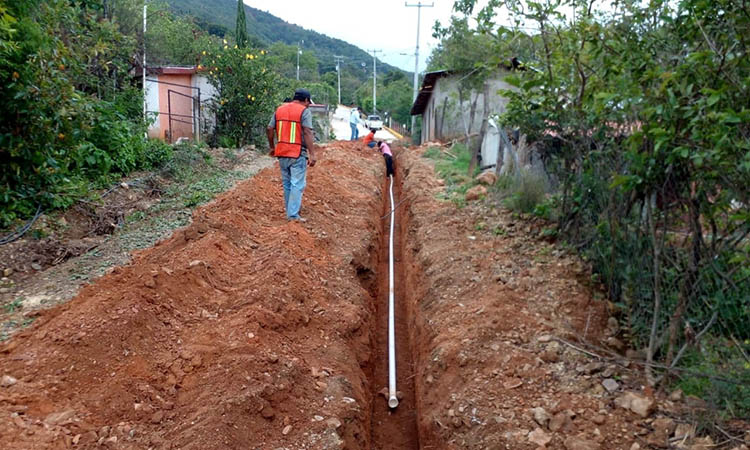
(157, 153)
(528, 192)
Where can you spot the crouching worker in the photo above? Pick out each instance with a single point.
(370, 139)
(291, 128)
(388, 156)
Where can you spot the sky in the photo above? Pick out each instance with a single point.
(385, 25)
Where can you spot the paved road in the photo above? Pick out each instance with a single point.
(340, 125)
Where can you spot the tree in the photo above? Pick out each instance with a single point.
(248, 92)
(241, 28)
(642, 115)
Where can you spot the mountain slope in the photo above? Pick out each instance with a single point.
(270, 29)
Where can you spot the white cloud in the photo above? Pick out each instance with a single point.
(386, 25)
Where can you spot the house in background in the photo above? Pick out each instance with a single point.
(177, 99)
(445, 117)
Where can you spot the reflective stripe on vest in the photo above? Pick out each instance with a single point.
(289, 130)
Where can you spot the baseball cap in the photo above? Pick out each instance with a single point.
(302, 94)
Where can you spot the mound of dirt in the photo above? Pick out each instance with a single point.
(242, 330)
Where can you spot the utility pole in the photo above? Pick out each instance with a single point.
(338, 71)
(298, 53)
(419, 7)
(374, 81)
(145, 113)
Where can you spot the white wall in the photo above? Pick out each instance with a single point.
(445, 95)
(152, 105)
(208, 93)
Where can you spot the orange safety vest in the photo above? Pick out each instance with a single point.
(289, 130)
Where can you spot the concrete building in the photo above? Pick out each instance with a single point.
(445, 117)
(177, 101)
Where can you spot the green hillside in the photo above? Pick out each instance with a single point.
(269, 29)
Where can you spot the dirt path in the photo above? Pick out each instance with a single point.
(243, 330)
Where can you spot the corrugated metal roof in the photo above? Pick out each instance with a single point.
(425, 92)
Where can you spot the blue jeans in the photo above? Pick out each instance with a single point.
(355, 131)
(293, 173)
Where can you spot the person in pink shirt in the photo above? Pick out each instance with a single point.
(388, 156)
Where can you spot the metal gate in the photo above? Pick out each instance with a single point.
(193, 119)
(179, 124)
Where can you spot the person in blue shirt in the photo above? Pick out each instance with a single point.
(353, 121)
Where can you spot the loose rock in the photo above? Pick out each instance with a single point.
(577, 443)
(475, 193)
(59, 417)
(540, 416)
(7, 381)
(610, 385)
(539, 437)
(636, 403)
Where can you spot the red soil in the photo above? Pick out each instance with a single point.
(246, 331)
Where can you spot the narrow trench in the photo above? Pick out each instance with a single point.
(392, 428)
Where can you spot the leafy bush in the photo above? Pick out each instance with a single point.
(69, 112)
(248, 93)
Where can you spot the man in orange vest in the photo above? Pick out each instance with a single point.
(291, 130)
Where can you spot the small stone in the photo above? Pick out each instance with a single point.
(7, 272)
(317, 418)
(599, 419)
(150, 283)
(268, 412)
(610, 385)
(7, 381)
(590, 368)
(636, 403)
(489, 178)
(540, 416)
(475, 193)
(36, 266)
(286, 430)
(544, 338)
(157, 417)
(578, 443)
(539, 437)
(635, 446)
(333, 422)
(559, 421)
(676, 395)
(512, 383)
(59, 417)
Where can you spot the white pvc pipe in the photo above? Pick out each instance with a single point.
(392, 398)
